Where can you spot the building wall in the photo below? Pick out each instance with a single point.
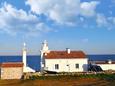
(66, 65)
(107, 66)
(11, 72)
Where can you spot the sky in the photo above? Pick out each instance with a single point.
(87, 25)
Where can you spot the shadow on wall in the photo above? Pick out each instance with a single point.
(85, 67)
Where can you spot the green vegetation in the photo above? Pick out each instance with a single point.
(110, 77)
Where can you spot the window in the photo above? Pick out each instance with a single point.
(56, 66)
(77, 66)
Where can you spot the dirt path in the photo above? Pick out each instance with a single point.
(77, 82)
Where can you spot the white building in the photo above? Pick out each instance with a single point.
(24, 57)
(63, 61)
(106, 65)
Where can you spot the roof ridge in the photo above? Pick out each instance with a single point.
(64, 54)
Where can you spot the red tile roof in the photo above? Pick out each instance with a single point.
(64, 55)
(11, 64)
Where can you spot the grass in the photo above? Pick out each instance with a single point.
(99, 76)
(64, 80)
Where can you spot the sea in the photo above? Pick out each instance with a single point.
(33, 61)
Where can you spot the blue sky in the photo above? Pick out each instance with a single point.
(87, 25)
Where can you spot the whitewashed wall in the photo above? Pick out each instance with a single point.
(50, 65)
(107, 66)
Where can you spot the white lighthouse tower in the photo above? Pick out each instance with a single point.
(24, 57)
(44, 50)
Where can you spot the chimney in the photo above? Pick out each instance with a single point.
(109, 61)
(68, 50)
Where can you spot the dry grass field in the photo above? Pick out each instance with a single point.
(80, 82)
(62, 81)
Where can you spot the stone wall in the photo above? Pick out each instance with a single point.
(11, 72)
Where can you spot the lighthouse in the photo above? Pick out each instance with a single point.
(24, 57)
(44, 50)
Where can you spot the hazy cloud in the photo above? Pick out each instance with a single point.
(64, 11)
(88, 8)
(69, 12)
(101, 20)
(14, 21)
(104, 21)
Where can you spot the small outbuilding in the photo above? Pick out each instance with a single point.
(11, 70)
(106, 65)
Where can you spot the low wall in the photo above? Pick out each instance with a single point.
(107, 66)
